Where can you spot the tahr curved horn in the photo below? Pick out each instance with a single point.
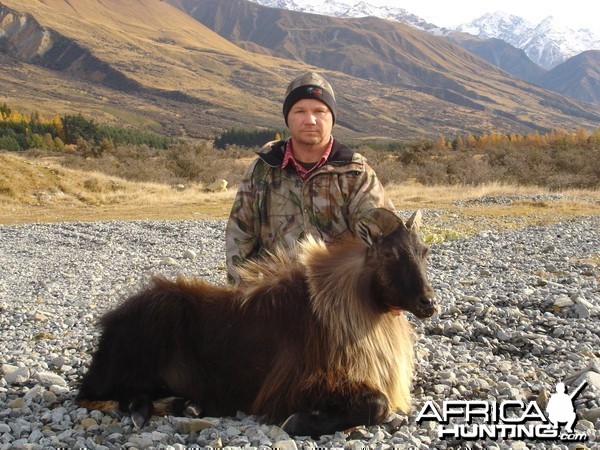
(415, 220)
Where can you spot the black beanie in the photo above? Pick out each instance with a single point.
(309, 85)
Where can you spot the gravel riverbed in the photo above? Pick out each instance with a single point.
(519, 313)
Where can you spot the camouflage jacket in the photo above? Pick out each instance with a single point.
(275, 207)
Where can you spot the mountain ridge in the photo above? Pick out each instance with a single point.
(562, 42)
(497, 52)
(584, 66)
(546, 44)
(165, 50)
(116, 34)
(388, 51)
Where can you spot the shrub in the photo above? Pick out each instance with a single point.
(9, 143)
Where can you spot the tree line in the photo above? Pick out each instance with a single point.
(248, 137)
(20, 131)
(565, 138)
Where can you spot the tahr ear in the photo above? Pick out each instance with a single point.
(368, 233)
(415, 220)
(376, 223)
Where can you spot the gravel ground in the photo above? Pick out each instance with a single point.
(519, 313)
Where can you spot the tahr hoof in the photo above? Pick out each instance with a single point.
(192, 409)
(141, 410)
(305, 424)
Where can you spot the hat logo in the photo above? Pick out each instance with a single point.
(314, 91)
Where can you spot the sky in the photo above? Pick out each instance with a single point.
(574, 13)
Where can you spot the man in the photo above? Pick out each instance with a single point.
(308, 184)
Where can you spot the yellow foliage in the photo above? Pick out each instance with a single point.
(19, 117)
(579, 136)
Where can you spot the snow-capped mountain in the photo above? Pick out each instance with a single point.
(329, 8)
(349, 8)
(547, 43)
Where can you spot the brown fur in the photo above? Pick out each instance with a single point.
(367, 347)
(316, 328)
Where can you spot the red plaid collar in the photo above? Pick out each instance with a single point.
(288, 158)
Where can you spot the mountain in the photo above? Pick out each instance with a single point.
(352, 9)
(547, 43)
(585, 69)
(572, 70)
(194, 68)
(501, 54)
(372, 49)
(506, 41)
(578, 77)
(143, 62)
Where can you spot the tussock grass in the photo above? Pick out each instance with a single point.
(40, 190)
(455, 219)
(415, 195)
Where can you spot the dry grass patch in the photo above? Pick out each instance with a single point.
(416, 195)
(457, 217)
(43, 191)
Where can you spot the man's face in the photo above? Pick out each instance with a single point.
(310, 122)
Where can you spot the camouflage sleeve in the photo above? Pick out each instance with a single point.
(368, 193)
(243, 227)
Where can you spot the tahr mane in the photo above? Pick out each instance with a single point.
(272, 271)
(369, 344)
(360, 340)
(338, 286)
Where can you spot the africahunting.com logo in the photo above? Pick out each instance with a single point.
(509, 419)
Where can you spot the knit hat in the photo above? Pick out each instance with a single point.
(309, 85)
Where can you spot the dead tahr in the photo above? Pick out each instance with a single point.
(314, 338)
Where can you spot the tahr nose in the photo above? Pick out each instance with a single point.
(426, 302)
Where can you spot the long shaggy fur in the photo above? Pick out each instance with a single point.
(345, 337)
(302, 332)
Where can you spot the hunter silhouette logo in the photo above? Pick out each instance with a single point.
(509, 419)
(560, 407)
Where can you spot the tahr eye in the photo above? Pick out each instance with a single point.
(388, 255)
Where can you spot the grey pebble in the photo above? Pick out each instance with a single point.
(503, 330)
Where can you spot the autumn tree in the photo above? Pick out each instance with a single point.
(5, 112)
(441, 143)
